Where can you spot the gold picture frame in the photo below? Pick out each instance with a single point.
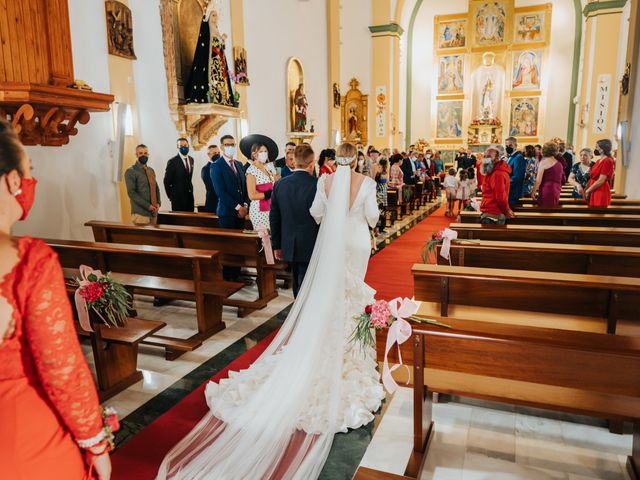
(450, 33)
(532, 26)
(490, 24)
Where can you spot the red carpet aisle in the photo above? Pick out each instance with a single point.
(140, 458)
(390, 270)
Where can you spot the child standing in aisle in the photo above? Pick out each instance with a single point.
(450, 185)
(463, 191)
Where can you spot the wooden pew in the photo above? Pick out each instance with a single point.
(548, 257)
(606, 297)
(577, 372)
(393, 205)
(191, 219)
(624, 237)
(572, 201)
(581, 208)
(176, 273)
(563, 219)
(236, 248)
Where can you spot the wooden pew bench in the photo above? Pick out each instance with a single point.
(547, 257)
(624, 237)
(192, 219)
(563, 219)
(607, 298)
(580, 208)
(237, 249)
(175, 273)
(577, 372)
(573, 201)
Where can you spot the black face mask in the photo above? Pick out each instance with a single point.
(597, 152)
(143, 159)
(509, 150)
(215, 157)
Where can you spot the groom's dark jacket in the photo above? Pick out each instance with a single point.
(293, 229)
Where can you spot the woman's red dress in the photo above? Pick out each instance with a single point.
(325, 170)
(48, 398)
(601, 197)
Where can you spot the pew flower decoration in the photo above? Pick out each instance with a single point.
(106, 297)
(443, 237)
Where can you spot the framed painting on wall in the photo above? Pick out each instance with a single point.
(526, 67)
(524, 116)
(450, 32)
(450, 74)
(449, 119)
(532, 25)
(488, 23)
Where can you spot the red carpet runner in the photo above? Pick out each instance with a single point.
(390, 270)
(140, 458)
(389, 273)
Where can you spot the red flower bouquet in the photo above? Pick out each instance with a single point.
(102, 294)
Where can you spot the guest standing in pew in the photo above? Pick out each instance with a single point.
(293, 229)
(211, 201)
(289, 164)
(531, 169)
(581, 173)
(549, 178)
(177, 179)
(142, 189)
(261, 176)
(229, 181)
(598, 192)
(516, 162)
(495, 191)
(51, 426)
(288, 152)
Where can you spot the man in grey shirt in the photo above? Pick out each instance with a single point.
(142, 189)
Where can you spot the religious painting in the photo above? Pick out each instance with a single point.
(489, 23)
(240, 66)
(354, 110)
(524, 116)
(530, 27)
(298, 104)
(119, 29)
(451, 33)
(449, 123)
(451, 74)
(526, 70)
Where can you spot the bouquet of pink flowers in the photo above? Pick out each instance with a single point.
(429, 250)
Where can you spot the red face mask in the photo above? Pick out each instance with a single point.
(26, 195)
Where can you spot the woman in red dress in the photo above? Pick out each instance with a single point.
(327, 162)
(598, 191)
(48, 403)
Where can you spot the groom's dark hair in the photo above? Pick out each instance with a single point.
(303, 155)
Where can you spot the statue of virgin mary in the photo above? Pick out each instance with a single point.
(210, 79)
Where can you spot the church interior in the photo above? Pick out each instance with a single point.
(521, 358)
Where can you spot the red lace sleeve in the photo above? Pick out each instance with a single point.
(53, 341)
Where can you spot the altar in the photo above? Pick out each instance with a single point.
(490, 73)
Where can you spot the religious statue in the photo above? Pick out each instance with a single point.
(119, 29)
(488, 90)
(336, 96)
(300, 105)
(353, 122)
(354, 107)
(210, 79)
(240, 66)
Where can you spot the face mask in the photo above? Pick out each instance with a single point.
(428, 156)
(597, 152)
(26, 195)
(509, 150)
(215, 157)
(486, 160)
(183, 150)
(360, 162)
(143, 159)
(263, 157)
(569, 151)
(229, 151)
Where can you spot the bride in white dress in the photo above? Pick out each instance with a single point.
(277, 419)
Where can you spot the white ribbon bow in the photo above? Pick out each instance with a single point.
(399, 332)
(447, 236)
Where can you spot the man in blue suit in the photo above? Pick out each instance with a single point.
(211, 202)
(518, 166)
(230, 184)
(293, 229)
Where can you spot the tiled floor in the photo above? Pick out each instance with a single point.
(476, 442)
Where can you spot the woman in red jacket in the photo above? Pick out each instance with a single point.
(598, 192)
(495, 191)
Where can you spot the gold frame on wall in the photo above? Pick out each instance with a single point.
(539, 117)
(354, 98)
(547, 10)
(474, 6)
(444, 19)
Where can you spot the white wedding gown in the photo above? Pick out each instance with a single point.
(277, 419)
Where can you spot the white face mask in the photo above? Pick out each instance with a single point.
(229, 151)
(263, 157)
(360, 162)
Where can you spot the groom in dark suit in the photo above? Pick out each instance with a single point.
(177, 179)
(230, 184)
(293, 229)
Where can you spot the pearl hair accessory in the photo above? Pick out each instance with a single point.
(345, 161)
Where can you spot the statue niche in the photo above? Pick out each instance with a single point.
(488, 88)
(354, 115)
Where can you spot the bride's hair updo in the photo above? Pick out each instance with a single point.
(10, 149)
(346, 151)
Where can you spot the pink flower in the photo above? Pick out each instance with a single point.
(380, 314)
(91, 292)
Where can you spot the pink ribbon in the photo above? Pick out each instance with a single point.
(81, 303)
(263, 233)
(399, 332)
(447, 236)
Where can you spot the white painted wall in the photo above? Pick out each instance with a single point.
(276, 30)
(556, 72)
